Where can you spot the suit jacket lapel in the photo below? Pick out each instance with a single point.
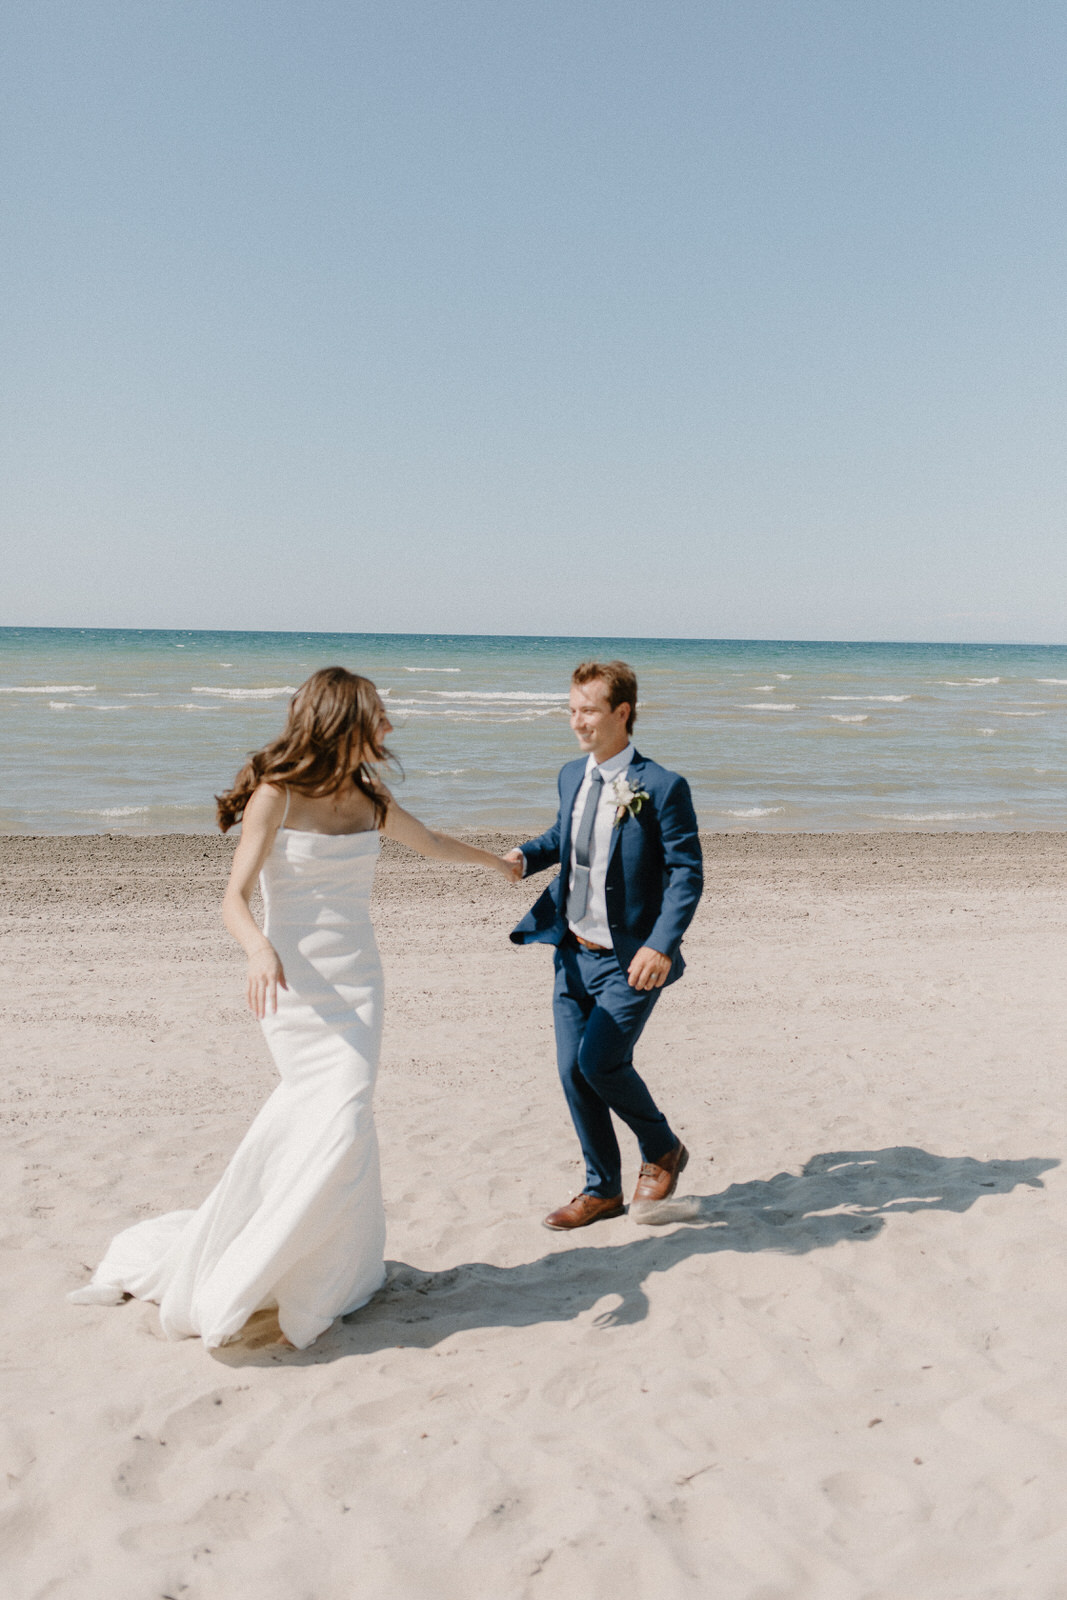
(632, 773)
(566, 806)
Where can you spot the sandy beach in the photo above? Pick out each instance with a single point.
(835, 1372)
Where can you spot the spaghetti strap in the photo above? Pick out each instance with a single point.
(288, 797)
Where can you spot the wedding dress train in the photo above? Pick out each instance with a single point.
(296, 1220)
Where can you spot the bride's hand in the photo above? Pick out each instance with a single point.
(265, 977)
(511, 865)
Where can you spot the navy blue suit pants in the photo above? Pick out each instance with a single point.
(598, 1020)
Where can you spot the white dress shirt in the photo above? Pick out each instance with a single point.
(593, 925)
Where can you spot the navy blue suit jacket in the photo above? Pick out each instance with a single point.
(655, 871)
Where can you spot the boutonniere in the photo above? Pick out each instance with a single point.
(628, 800)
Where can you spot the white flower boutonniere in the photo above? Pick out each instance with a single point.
(628, 800)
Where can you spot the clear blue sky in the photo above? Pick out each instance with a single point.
(676, 318)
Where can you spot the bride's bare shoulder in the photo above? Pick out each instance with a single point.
(266, 800)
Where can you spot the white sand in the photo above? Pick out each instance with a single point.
(838, 1375)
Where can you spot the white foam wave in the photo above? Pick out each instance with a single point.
(190, 705)
(785, 676)
(988, 732)
(761, 688)
(766, 705)
(871, 699)
(445, 772)
(842, 716)
(997, 713)
(1050, 680)
(934, 816)
(966, 683)
(48, 688)
(433, 669)
(492, 695)
(755, 811)
(116, 811)
(142, 694)
(62, 705)
(108, 708)
(245, 694)
(480, 713)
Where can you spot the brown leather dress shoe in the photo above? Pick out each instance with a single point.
(658, 1180)
(584, 1209)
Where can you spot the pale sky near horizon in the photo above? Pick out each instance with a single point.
(670, 318)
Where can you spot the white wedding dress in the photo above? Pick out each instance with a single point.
(296, 1220)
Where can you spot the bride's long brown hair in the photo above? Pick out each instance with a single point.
(331, 739)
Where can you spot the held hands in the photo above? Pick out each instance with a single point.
(265, 977)
(648, 969)
(514, 863)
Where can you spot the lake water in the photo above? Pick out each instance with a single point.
(134, 731)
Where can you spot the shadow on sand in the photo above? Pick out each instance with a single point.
(840, 1195)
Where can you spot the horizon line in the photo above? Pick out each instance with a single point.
(562, 638)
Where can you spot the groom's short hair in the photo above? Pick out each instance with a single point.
(618, 679)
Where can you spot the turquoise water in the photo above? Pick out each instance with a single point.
(134, 731)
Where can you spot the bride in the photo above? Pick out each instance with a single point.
(296, 1220)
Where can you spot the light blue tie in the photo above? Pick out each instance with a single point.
(578, 898)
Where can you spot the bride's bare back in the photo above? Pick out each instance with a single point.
(346, 811)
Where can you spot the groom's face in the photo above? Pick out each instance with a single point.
(599, 727)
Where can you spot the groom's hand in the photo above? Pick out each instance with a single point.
(518, 860)
(648, 969)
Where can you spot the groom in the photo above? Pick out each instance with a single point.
(626, 836)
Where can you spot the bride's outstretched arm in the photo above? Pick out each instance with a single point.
(261, 820)
(408, 830)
